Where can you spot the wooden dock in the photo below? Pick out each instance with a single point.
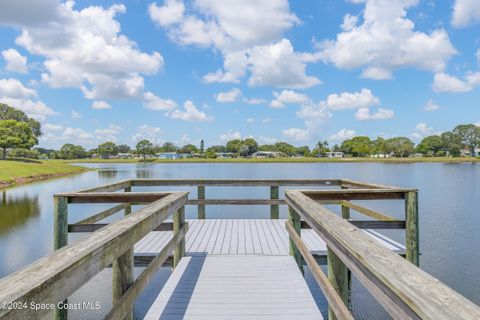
(214, 287)
(237, 268)
(244, 236)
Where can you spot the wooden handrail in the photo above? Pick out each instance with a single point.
(404, 290)
(103, 214)
(332, 296)
(369, 212)
(55, 277)
(236, 182)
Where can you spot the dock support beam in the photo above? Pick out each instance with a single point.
(338, 274)
(201, 207)
(178, 222)
(60, 237)
(123, 270)
(274, 208)
(294, 219)
(411, 231)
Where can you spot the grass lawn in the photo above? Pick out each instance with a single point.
(295, 160)
(17, 172)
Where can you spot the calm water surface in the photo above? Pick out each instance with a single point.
(449, 202)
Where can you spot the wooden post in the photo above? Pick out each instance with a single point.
(411, 231)
(123, 270)
(201, 207)
(123, 277)
(274, 208)
(339, 278)
(345, 212)
(60, 237)
(294, 218)
(178, 222)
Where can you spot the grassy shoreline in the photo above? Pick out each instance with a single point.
(285, 160)
(13, 172)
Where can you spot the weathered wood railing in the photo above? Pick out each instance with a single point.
(52, 279)
(403, 289)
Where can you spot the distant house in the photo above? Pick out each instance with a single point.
(124, 156)
(334, 154)
(225, 154)
(267, 154)
(172, 155)
(380, 155)
(468, 152)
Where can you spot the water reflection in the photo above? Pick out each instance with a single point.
(17, 210)
(109, 174)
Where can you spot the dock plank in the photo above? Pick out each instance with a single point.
(235, 287)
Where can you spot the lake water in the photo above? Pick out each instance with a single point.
(449, 202)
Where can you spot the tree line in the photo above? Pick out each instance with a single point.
(19, 134)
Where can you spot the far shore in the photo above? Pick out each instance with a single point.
(284, 160)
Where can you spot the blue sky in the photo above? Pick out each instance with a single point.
(298, 71)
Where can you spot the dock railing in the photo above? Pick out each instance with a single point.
(49, 281)
(404, 290)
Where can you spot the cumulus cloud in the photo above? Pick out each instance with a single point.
(153, 102)
(297, 134)
(84, 49)
(190, 113)
(75, 115)
(15, 62)
(15, 94)
(228, 96)
(431, 106)
(443, 82)
(251, 43)
(341, 135)
(465, 12)
(57, 135)
(108, 134)
(386, 40)
(254, 101)
(230, 135)
(153, 134)
(100, 105)
(380, 114)
(346, 100)
(287, 97)
(422, 130)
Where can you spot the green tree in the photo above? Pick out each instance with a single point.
(451, 143)
(430, 146)
(210, 154)
(202, 147)
(302, 151)
(107, 149)
(70, 151)
(285, 148)
(379, 146)
(144, 148)
(189, 148)
(123, 148)
(234, 145)
(360, 146)
(168, 147)
(321, 149)
(216, 149)
(400, 146)
(9, 113)
(251, 144)
(469, 135)
(15, 134)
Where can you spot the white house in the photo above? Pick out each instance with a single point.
(225, 155)
(334, 154)
(267, 154)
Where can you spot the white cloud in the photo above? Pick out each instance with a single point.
(153, 102)
(296, 134)
(422, 130)
(230, 135)
(250, 120)
(255, 101)
(75, 115)
(108, 134)
(170, 13)
(465, 12)
(288, 97)
(229, 96)
(149, 133)
(267, 140)
(431, 106)
(100, 105)
(443, 82)
(56, 135)
(341, 135)
(385, 41)
(15, 62)
(347, 100)
(380, 114)
(52, 127)
(15, 94)
(266, 120)
(16, 13)
(191, 113)
(84, 49)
